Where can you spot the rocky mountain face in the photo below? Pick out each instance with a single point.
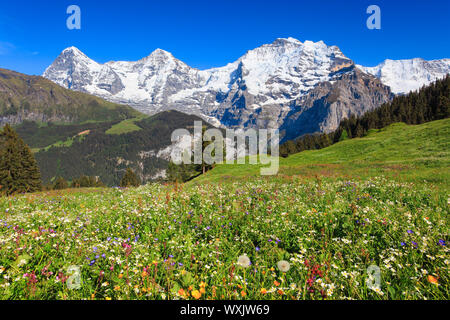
(299, 87)
(328, 103)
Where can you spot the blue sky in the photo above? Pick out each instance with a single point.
(212, 33)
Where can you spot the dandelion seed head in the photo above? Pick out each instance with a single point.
(283, 266)
(244, 261)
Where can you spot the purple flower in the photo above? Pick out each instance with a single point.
(403, 244)
(257, 248)
(414, 243)
(442, 242)
(410, 231)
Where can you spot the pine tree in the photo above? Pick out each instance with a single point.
(19, 172)
(60, 184)
(130, 179)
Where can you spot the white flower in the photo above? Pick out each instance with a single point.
(244, 261)
(283, 266)
(377, 290)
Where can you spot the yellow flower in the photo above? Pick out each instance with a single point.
(263, 291)
(144, 274)
(243, 294)
(121, 276)
(202, 290)
(181, 292)
(117, 288)
(108, 298)
(432, 279)
(196, 294)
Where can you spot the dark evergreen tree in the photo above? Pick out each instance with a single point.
(60, 184)
(18, 169)
(130, 179)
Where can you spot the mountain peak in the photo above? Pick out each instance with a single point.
(73, 50)
(159, 54)
(287, 40)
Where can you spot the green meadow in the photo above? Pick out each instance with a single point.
(410, 153)
(330, 216)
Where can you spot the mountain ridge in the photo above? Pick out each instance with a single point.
(407, 75)
(264, 88)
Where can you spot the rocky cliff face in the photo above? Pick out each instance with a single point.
(322, 109)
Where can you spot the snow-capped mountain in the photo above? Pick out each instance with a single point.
(403, 76)
(276, 73)
(267, 87)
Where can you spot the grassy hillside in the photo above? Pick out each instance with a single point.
(405, 152)
(125, 126)
(328, 216)
(24, 97)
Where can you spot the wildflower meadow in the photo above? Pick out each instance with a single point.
(256, 239)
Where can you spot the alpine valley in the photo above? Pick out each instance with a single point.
(83, 117)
